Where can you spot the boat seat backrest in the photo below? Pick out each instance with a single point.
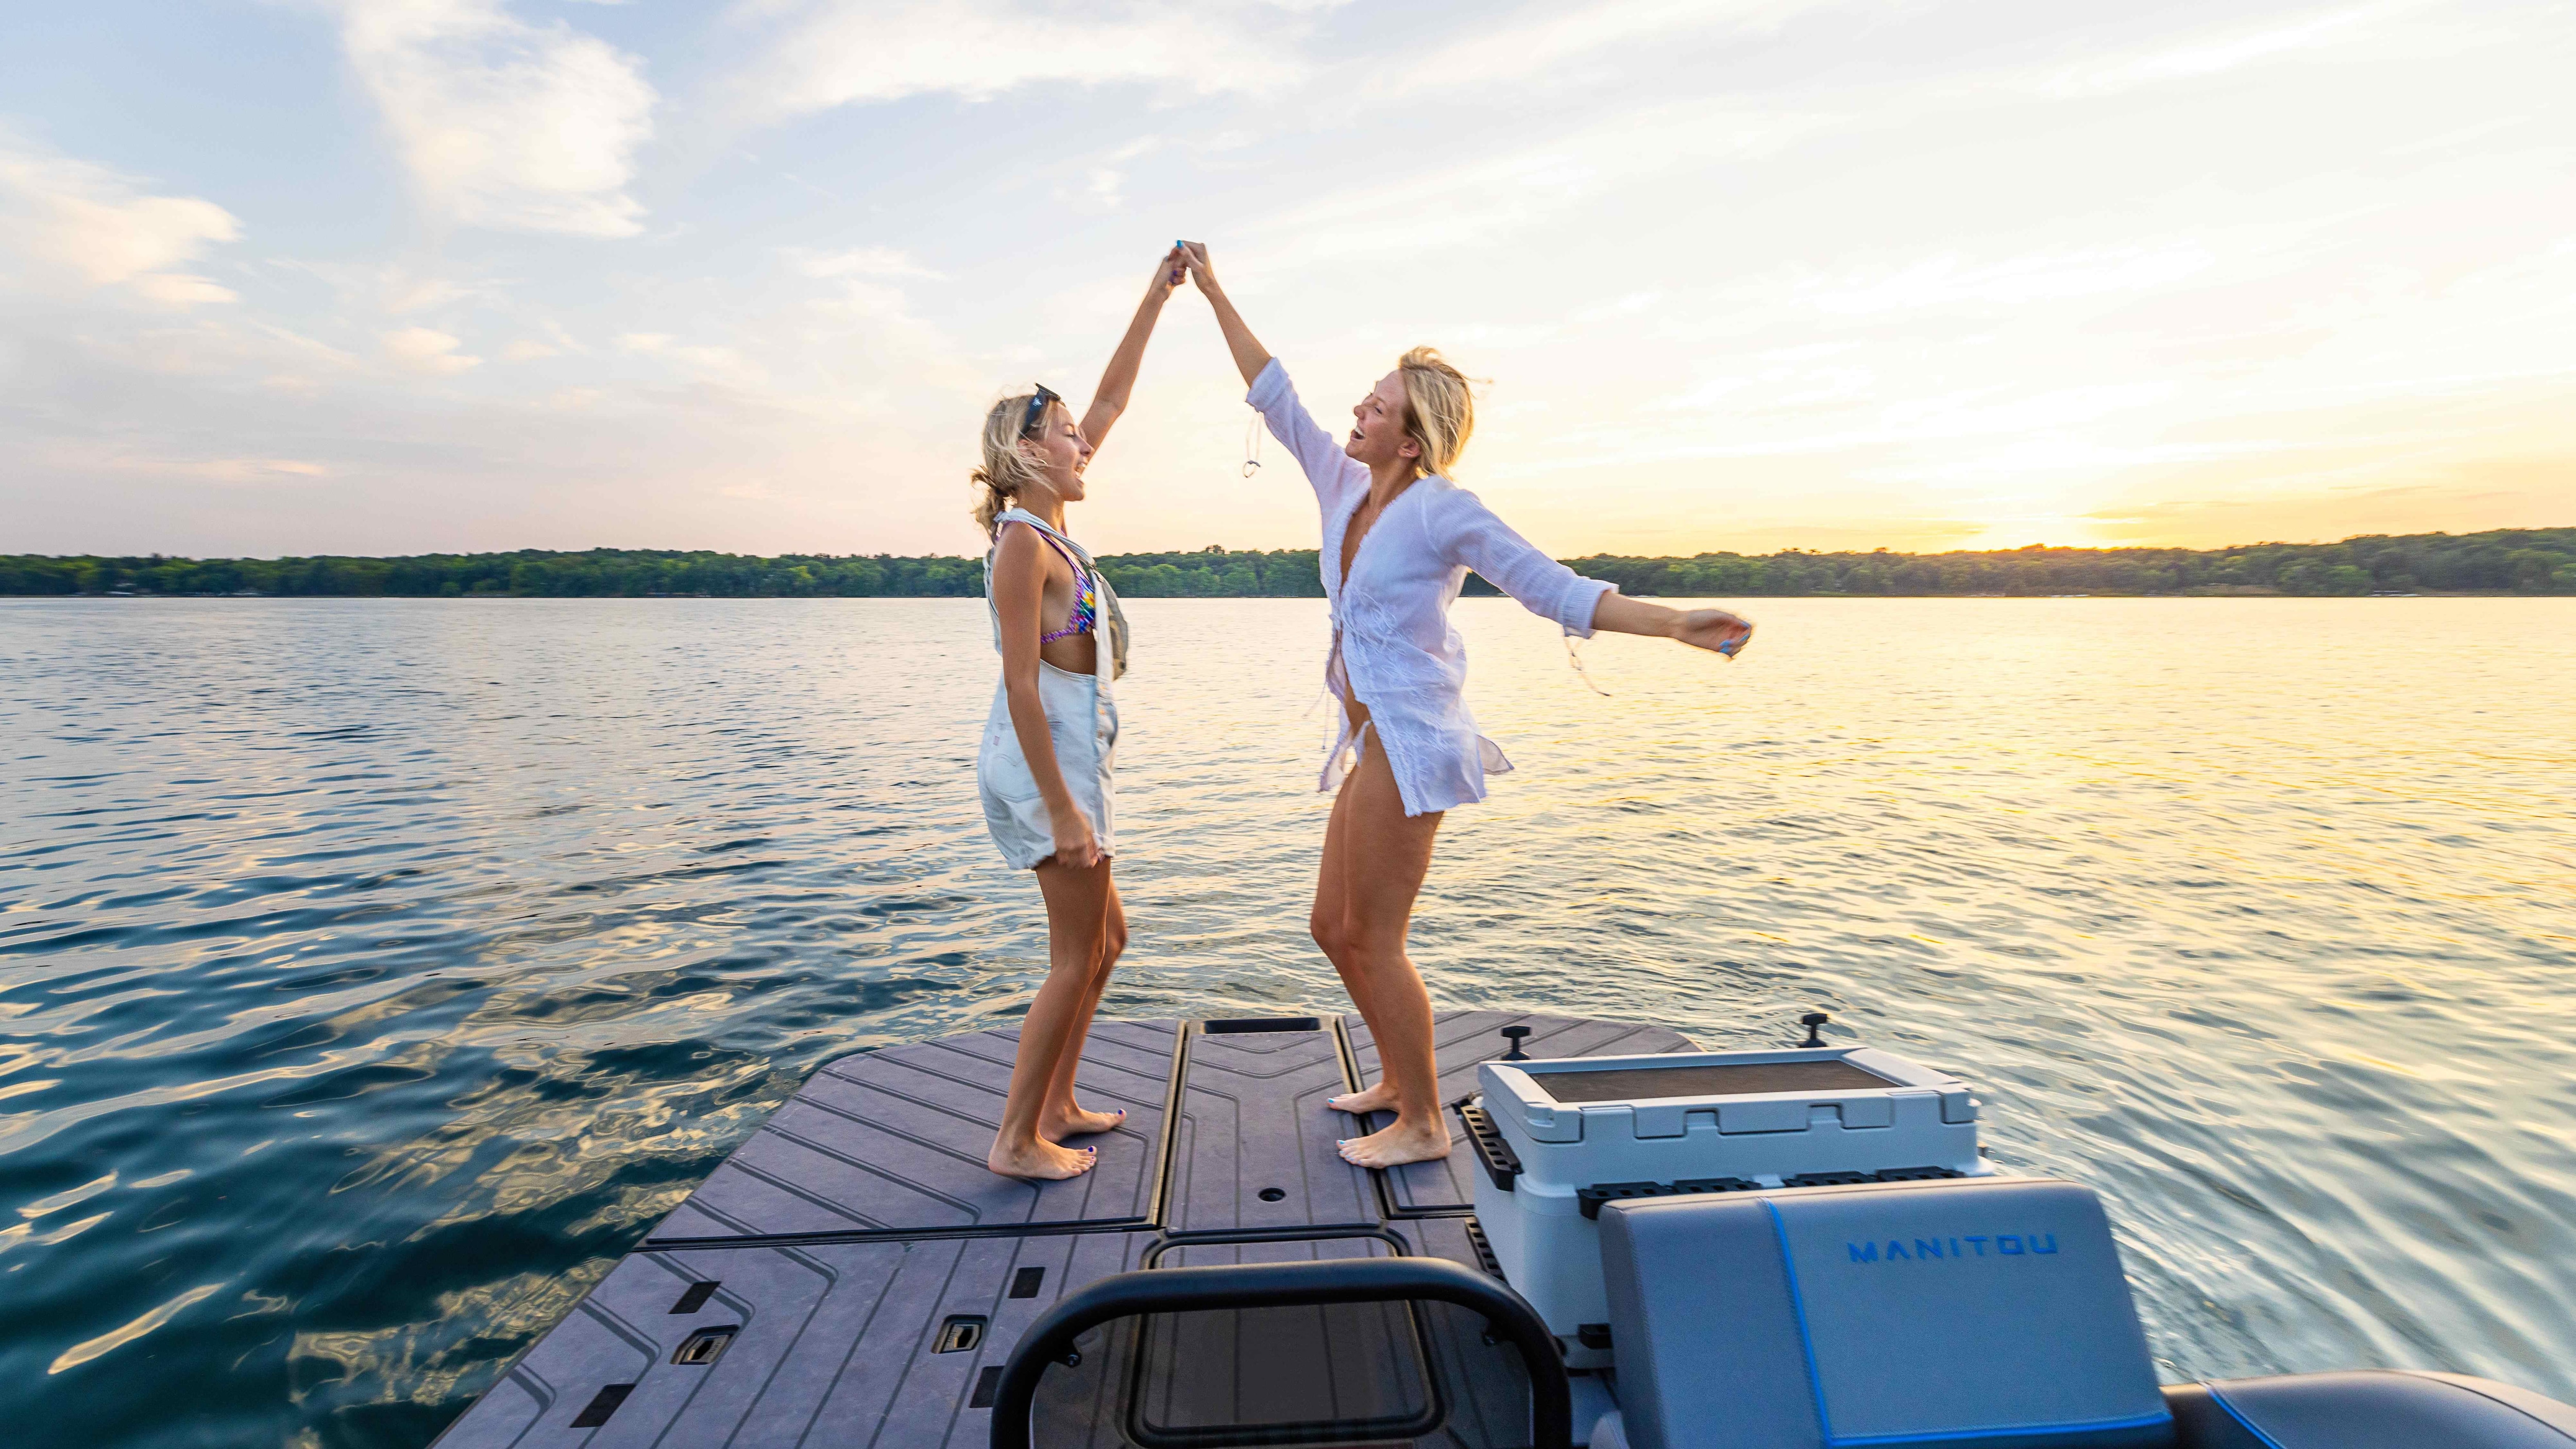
(1960, 1313)
(2370, 1409)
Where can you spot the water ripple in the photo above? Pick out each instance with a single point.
(374, 973)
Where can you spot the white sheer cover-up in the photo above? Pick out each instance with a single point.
(1393, 648)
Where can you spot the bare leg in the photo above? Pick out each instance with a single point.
(1062, 1117)
(1325, 923)
(1077, 899)
(1375, 856)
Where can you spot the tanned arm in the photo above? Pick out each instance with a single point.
(1710, 629)
(1119, 378)
(1249, 355)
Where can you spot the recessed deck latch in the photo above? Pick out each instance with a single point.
(961, 1332)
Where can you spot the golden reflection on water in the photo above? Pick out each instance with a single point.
(406, 961)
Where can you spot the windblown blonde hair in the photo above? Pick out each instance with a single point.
(1439, 410)
(1007, 471)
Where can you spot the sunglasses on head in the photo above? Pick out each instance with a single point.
(1037, 409)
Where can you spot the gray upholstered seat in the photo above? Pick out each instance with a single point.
(1970, 1313)
(2370, 1409)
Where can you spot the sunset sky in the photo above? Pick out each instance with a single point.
(391, 276)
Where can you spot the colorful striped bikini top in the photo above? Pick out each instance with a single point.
(1086, 597)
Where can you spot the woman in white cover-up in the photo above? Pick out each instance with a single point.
(1398, 541)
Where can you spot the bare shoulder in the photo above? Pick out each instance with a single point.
(1014, 542)
(1021, 557)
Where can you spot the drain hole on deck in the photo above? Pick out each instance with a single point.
(1231, 1025)
(1274, 1194)
(601, 1405)
(1024, 1283)
(987, 1384)
(705, 1346)
(695, 1296)
(960, 1333)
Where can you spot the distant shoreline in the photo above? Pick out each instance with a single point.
(2521, 561)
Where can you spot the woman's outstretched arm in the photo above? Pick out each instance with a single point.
(1470, 534)
(1119, 379)
(1249, 355)
(1711, 629)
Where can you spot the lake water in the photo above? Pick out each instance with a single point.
(374, 973)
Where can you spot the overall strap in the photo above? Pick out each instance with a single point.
(1074, 553)
(1110, 620)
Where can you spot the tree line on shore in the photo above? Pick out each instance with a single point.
(2522, 561)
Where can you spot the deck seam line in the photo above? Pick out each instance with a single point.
(898, 1235)
(1159, 1201)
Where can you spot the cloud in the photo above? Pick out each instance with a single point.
(1485, 201)
(859, 262)
(709, 364)
(1557, 35)
(80, 225)
(422, 349)
(858, 52)
(504, 124)
(2039, 277)
(528, 350)
(2212, 56)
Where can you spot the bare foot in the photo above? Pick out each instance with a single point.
(1076, 1123)
(1401, 1143)
(1041, 1160)
(1379, 1098)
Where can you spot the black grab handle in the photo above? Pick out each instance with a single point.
(1278, 1285)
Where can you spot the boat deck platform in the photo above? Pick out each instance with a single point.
(853, 1275)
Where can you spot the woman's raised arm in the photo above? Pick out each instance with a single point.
(1249, 355)
(1119, 378)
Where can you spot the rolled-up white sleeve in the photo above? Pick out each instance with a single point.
(1327, 467)
(1470, 534)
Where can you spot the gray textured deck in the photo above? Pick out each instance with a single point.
(835, 1346)
(882, 1155)
(1460, 1040)
(893, 1142)
(1253, 1119)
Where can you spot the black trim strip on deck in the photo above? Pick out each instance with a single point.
(1174, 1084)
(910, 1235)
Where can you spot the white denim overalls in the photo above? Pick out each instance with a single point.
(1082, 720)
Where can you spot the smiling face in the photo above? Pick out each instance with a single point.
(1378, 438)
(1060, 452)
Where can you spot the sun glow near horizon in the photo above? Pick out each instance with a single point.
(1744, 277)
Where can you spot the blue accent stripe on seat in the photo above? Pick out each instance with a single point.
(2248, 1425)
(1798, 1310)
(2098, 1426)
